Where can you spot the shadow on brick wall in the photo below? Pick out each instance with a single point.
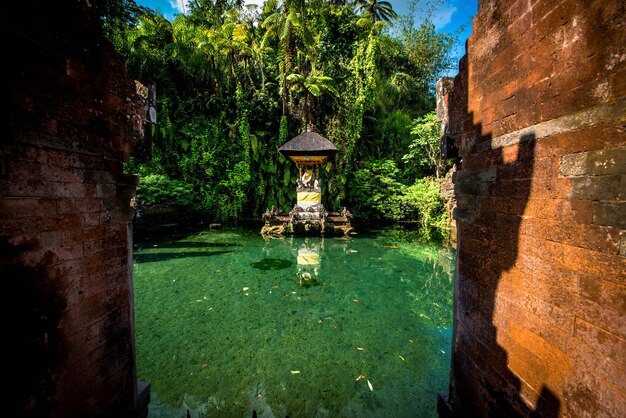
(492, 188)
(34, 345)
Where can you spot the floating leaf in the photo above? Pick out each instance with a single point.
(295, 372)
(370, 385)
(402, 358)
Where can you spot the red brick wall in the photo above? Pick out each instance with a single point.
(70, 119)
(538, 113)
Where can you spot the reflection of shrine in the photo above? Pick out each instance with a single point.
(309, 263)
(308, 151)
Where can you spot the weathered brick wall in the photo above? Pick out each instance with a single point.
(70, 118)
(538, 113)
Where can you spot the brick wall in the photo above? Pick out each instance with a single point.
(538, 113)
(70, 118)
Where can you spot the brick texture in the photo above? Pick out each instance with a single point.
(71, 117)
(537, 113)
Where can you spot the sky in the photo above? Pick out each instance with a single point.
(449, 16)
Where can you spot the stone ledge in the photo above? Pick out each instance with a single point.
(609, 112)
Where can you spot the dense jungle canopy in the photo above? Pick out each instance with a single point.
(235, 82)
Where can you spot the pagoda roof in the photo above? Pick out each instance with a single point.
(308, 143)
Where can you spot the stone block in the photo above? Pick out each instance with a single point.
(588, 395)
(595, 188)
(592, 237)
(600, 315)
(607, 161)
(606, 344)
(105, 190)
(610, 214)
(594, 163)
(578, 211)
(573, 165)
(607, 294)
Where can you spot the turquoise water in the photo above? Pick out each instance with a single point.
(228, 323)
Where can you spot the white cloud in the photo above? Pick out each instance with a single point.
(180, 5)
(443, 15)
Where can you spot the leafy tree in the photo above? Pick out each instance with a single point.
(160, 189)
(424, 149)
(376, 191)
(422, 201)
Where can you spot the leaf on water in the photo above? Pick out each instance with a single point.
(360, 349)
(370, 385)
(295, 372)
(401, 357)
(245, 289)
(361, 376)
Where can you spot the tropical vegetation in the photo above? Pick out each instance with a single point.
(235, 82)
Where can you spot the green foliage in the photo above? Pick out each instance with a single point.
(376, 191)
(160, 189)
(422, 201)
(233, 85)
(378, 195)
(423, 155)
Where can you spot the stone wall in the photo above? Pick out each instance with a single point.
(70, 118)
(538, 113)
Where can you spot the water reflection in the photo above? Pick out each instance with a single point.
(309, 262)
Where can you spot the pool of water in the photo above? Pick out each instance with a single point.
(228, 323)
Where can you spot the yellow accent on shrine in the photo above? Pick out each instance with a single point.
(309, 197)
(308, 259)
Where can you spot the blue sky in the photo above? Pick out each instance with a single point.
(449, 16)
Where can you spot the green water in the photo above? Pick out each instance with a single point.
(228, 323)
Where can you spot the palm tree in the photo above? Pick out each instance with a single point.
(379, 10)
(288, 25)
(312, 86)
